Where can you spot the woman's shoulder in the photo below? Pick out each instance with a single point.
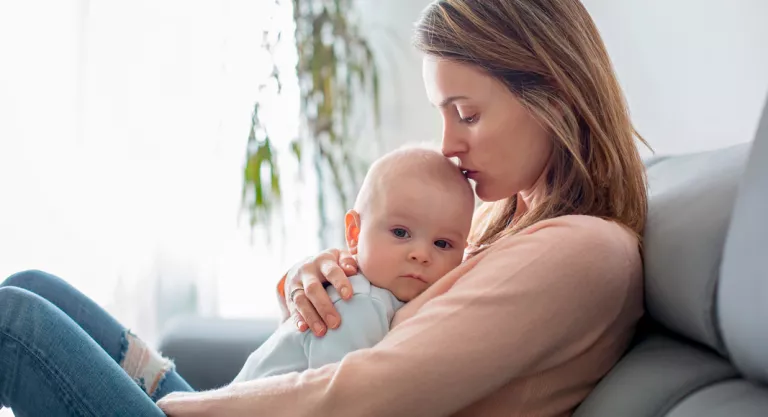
(586, 232)
(585, 246)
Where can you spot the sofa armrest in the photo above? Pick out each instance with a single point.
(209, 352)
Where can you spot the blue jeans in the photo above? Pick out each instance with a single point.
(63, 355)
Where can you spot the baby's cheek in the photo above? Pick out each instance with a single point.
(363, 259)
(451, 262)
(372, 266)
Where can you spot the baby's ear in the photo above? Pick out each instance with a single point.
(352, 230)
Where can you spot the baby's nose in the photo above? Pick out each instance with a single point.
(420, 256)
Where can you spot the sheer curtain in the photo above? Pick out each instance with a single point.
(123, 127)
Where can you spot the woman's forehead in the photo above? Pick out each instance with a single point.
(446, 80)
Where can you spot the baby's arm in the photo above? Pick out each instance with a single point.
(364, 323)
(282, 353)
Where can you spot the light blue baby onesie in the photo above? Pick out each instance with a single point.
(365, 320)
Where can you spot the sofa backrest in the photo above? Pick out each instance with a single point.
(703, 350)
(743, 290)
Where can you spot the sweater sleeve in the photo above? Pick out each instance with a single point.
(532, 302)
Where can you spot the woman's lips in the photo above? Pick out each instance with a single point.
(470, 174)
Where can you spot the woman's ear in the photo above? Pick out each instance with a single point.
(352, 230)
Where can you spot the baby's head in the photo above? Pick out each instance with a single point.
(411, 220)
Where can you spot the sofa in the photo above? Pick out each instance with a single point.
(702, 348)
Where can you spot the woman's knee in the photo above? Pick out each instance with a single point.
(9, 293)
(15, 299)
(31, 280)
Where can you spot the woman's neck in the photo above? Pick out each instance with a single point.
(532, 197)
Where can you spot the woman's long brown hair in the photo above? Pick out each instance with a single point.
(550, 54)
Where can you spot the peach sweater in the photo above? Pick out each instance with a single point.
(526, 328)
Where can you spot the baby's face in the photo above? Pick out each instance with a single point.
(414, 234)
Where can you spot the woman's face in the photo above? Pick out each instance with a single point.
(500, 144)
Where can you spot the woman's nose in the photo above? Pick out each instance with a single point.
(452, 145)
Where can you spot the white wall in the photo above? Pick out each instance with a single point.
(123, 128)
(406, 115)
(695, 72)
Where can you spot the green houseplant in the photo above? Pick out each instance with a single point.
(337, 76)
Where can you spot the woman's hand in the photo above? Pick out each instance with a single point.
(199, 404)
(184, 404)
(305, 296)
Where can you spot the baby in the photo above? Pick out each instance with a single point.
(408, 228)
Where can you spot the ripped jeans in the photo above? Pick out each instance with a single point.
(63, 355)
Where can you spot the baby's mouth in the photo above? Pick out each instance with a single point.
(416, 277)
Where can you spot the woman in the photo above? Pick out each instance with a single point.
(551, 290)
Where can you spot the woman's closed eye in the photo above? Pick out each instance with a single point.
(400, 233)
(466, 115)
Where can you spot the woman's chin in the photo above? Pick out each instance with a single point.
(488, 194)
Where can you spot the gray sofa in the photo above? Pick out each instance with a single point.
(702, 349)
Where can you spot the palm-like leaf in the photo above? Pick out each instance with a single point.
(335, 65)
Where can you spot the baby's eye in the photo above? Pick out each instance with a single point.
(443, 244)
(400, 233)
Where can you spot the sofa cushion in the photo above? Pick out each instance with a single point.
(653, 377)
(736, 398)
(690, 203)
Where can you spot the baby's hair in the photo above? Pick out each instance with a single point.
(409, 161)
(430, 146)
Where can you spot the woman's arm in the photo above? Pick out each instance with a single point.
(532, 302)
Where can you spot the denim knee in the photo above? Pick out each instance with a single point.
(27, 279)
(8, 293)
(13, 297)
